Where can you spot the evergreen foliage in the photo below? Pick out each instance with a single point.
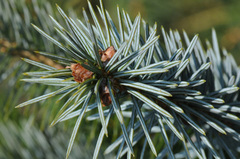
(175, 91)
(34, 143)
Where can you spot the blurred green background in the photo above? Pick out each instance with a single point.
(19, 128)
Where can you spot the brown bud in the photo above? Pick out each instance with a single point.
(105, 97)
(107, 54)
(79, 73)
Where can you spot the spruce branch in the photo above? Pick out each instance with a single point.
(179, 91)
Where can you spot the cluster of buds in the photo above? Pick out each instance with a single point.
(81, 74)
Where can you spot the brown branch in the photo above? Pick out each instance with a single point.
(12, 49)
